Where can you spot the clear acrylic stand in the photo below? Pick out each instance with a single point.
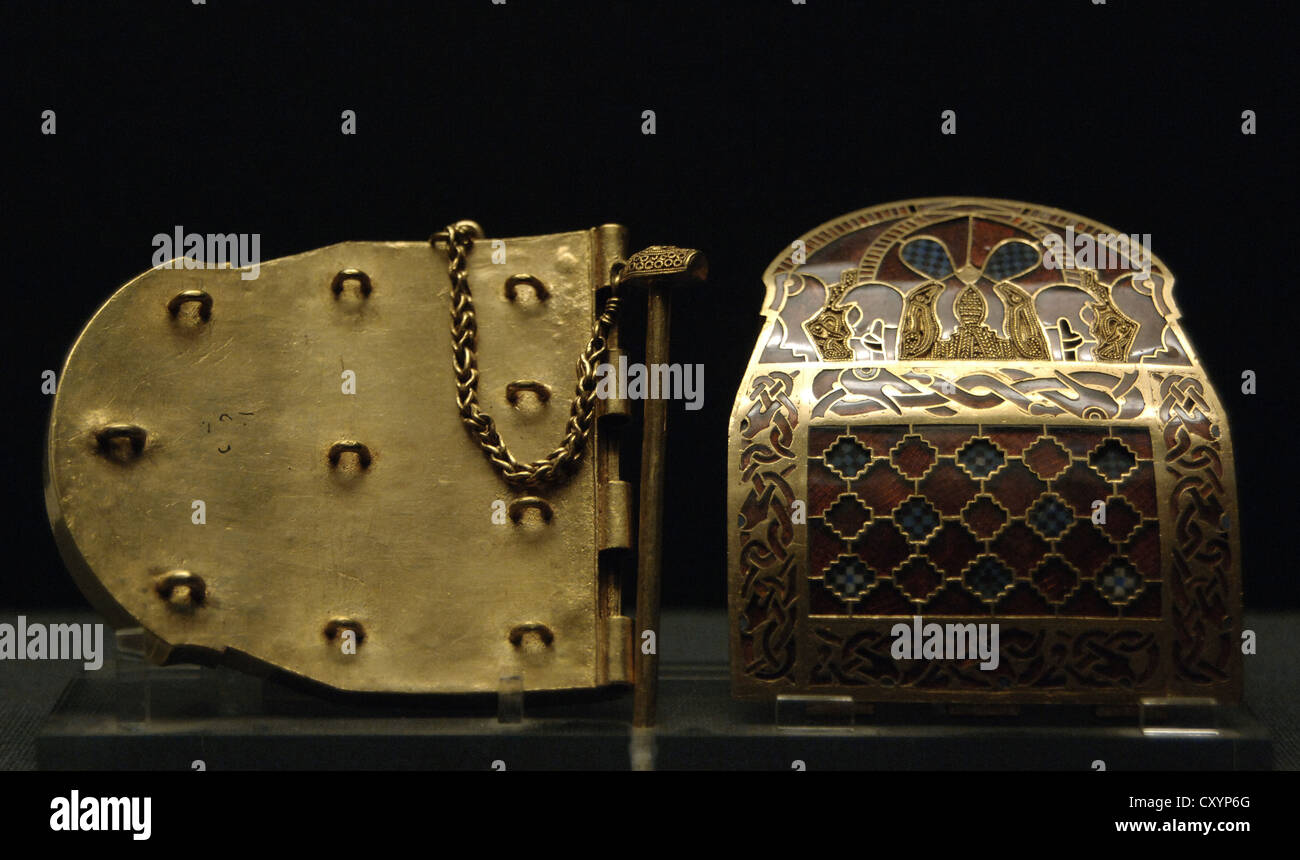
(1187, 717)
(139, 679)
(510, 699)
(815, 712)
(641, 748)
(199, 690)
(134, 714)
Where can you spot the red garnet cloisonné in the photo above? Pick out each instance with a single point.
(974, 458)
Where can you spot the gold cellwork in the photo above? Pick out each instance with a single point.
(940, 420)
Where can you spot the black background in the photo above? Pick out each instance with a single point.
(771, 118)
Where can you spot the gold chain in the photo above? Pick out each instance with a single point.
(464, 358)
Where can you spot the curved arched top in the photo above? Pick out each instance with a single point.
(970, 278)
